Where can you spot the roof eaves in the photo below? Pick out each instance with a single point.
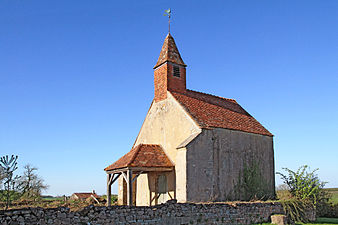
(249, 132)
(188, 140)
(170, 61)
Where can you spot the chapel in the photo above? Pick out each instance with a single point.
(193, 146)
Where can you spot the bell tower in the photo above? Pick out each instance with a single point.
(169, 71)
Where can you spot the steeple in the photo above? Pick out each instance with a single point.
(169, 53)
(169, 71)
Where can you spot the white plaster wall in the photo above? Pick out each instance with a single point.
(144, 198)
(147, 187)
(169, 125)
(121, 196)
(181, 175)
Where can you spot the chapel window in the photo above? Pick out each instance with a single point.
(176, 71)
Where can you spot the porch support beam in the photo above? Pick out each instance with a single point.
(125, 177)
(136, 176)
(111, 178)
(109, 189)
(129, 187)
(115, 178)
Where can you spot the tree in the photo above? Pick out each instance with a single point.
(2, 176)
(32, 184)
(10, 182)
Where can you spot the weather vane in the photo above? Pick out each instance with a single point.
(168, 13)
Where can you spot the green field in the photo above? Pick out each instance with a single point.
(283, 194)
(319, 221)
(334, 194)
(322, 221)
(52, 198)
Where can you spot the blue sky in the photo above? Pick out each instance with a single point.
(76, 78)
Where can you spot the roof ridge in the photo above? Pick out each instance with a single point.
(139, 157)
(229, 99)
(137, 150)
(204, 97)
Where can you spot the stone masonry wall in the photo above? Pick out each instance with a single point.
(216, 162)
(170, 213)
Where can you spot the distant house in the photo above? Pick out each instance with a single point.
(84, 195)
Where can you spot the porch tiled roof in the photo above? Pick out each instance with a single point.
(143, 155)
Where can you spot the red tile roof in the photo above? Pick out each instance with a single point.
(210, 111)
(85, 195)
(143, 155)
(169, 53)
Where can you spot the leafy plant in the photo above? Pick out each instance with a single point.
(306, 192)
(295, 209)
(251, 184)
(304, 184)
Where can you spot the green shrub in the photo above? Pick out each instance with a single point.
(328, 209)
(306, 190)
(295, 209)
(251, 184)
(305, 185)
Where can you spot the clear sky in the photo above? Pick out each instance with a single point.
(76, 78)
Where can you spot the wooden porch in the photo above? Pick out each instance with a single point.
(141, 159)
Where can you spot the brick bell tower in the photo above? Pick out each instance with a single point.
(169, 71)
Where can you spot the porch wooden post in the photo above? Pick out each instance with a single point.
(108, 190)
(130, 187)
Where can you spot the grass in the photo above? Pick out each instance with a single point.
(322, 221)
(283, 194)
(334, 194)
(52, 198)
(319, 221)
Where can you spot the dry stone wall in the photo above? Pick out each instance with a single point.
(170, 213)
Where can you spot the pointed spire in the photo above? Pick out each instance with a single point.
(169, 53)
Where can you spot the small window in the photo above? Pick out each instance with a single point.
(176, 71)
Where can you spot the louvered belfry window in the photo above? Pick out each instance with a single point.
(176, 71)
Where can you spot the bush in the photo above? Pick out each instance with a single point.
(297, 210)
(327, 210)
(306, 192)
(305, 185)
(251, 185)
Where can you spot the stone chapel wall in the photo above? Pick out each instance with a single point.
(216, 161)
